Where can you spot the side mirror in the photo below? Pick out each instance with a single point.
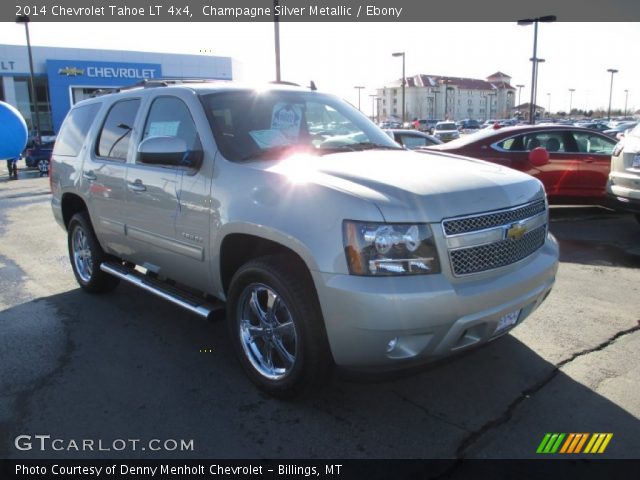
(538, 157)
(168, 151)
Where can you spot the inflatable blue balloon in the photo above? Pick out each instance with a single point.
(13, 132)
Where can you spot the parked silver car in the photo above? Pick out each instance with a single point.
(623, 186)
(446, 131)
(327, 242)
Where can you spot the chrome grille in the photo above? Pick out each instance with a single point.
(489, 220)
(495, 255)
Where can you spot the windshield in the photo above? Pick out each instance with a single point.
(446, 126)
(251, 125)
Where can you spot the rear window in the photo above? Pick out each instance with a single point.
(74, 130)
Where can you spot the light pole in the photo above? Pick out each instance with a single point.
(276, 34)
(359, 89)
(534, 66)
(626, 97)
(549, 103)
(612, 71)
(373, 107)
(571, 90)
(519, 93)
(535, 85)
(404, 80)
(36, 119)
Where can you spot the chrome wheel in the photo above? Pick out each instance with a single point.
(267, 332)
(82, 258)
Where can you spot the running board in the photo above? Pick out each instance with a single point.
(178, 297)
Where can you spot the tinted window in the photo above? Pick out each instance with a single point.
(446, 126)
(74, 130)
(170, 117)
(589, 143)
(113, 141)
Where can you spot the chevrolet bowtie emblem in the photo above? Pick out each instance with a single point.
(516, 231)
(71, 71)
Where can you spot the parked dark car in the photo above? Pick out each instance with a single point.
(468, 125)
(39, 155)
(619, 128)
(573, 163)
(413, 139)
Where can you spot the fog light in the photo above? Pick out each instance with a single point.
(392, 344)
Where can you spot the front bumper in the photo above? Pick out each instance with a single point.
(428, 316)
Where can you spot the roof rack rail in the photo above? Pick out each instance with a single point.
(165, 82)
(283, 82)
(311, 86)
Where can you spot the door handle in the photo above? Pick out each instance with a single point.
(136, 186)
(90, 176)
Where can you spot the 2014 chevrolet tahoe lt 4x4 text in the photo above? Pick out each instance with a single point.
(328, 242)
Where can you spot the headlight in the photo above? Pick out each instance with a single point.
(389, 248)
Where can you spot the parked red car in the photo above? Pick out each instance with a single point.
(573, 163)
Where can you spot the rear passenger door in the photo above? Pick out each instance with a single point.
(593, 152)
(103, 174)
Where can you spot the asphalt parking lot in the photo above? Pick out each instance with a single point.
(129, 366)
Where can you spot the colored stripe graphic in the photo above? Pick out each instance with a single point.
(574, 443)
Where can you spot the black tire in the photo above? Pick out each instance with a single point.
(82, 240)
(300, 357)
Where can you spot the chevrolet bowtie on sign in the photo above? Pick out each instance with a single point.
(71, 71)
(574, 443)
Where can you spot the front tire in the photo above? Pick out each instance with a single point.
(276, 326)
(86, 255)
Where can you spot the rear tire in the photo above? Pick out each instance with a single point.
(276, 326)
(86, 255)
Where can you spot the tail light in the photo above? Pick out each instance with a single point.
(29, 151)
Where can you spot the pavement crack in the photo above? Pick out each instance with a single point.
(430, 414)
(505, 416)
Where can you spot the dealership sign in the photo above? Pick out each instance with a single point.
(66, 75)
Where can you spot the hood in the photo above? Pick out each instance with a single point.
(414, 187)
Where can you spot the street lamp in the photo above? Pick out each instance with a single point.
(36, 119)
(519, 92)
(537, 61)
(571, 90)
(373, 108)
(626, 97)
(401, 54)
(359, 89)
(612, 71)
(549, 103)
(276, 35)
(534, 66)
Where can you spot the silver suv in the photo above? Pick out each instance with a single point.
(623, 187)
(324, 240)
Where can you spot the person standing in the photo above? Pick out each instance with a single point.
(12, 166)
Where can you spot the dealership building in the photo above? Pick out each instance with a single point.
(64, 76)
